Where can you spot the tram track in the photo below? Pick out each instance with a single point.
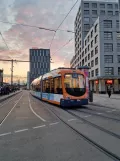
(99, 115)
(91, 141)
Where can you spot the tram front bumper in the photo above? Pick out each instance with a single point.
(69, 102)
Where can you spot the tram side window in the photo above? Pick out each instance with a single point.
(58, 85)
(43, 86)
(51, 85)
(46, 86)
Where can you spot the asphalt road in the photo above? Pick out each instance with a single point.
(30, 131)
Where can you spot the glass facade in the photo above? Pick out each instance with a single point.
(39, 62)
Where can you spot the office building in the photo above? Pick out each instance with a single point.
(97, 44)
(39, 62)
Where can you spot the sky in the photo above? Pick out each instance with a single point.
(19, 39)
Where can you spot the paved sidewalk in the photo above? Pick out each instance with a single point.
(4, 97)
(103, 100)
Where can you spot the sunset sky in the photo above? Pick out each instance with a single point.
(41, 13)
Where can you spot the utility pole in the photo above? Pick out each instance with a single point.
(12, 72)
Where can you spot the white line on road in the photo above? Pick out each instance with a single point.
(99, 113)
(17, 131)
(114, 110)
(11, 110)
(1, 105)
(5, 134)
(109, 111)
(36, 127)
(35, 112)
(53, 123)
(88, 116)
(71, 119)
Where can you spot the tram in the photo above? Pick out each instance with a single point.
(63, 86)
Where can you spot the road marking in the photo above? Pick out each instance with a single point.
(17, 131)
(114, 110)
(10, 111)
(109, 111)
(1, 105)
(99, 113)
(88, 116)
(36, 127)
(5, 134)
(53, 123)
(35, 112)
(71, 119)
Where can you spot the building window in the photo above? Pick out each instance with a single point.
(92, 53)
(110, 13)
(116, 13)
(102, 5)
(109, 71)
(87, 19)
(91, 33)
(83, 54)
(118, 58)
(117, 24)
(88, 38)
(86, 26)
(118, 47)
(92, 63)
(116, 6)
(85, 42)
(108, 35)
(96, 61)
(102, 12)
(89, 74)
(94, 12)
(107, 23)
(86, 59)
(96, 27)
(94, 5)
(86, 12)
(89, 64)
(86, 5)
(85, 50)
(108, 47)
(88, 47)
(96, 72)
(108, 58)
(91, 43)
(88, 56)
(118, 35)
(92, 73)
(118, 70)
(109, 6)
(96, 50)
(96, 39)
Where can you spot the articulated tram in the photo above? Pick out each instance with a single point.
(63, 86)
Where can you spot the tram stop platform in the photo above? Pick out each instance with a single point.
(104, 100)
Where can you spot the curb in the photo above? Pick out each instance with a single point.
(1, 100)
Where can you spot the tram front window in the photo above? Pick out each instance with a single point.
(75, 84)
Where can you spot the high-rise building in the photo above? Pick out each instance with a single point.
(97, 44)
(39, 62)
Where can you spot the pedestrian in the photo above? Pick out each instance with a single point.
(109, 92)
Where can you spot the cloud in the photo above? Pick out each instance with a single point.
(44, 13)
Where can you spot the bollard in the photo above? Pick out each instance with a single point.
(90, 96)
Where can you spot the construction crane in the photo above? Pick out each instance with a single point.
(12, 61)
